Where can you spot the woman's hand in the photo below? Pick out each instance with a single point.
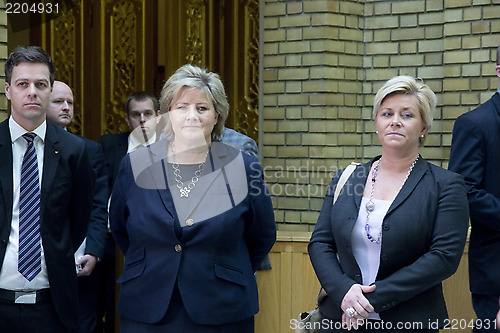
(355, 305)
(350, 322)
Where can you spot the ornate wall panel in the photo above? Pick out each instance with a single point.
(247, 108)
(196, 43)
(102, 51)
(223, 36)
(64, 33)
(105, 50)
(123, 65)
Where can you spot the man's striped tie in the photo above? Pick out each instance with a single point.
(29, 263)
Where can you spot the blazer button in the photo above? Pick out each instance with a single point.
(386, 227)
(178, 248)
(383, 257)
(189, 222)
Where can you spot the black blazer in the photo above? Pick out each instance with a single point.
(66, 202)
(423, 238)
(114, 147)
(475, 154)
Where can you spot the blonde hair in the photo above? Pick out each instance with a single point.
(195, 77)
(407, 85)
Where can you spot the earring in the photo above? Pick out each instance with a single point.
(376, 132)
(422, 136)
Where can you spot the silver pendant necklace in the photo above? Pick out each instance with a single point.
(184, 190)
(370, 205)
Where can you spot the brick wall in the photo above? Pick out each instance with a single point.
(324, 60)
(3, 58)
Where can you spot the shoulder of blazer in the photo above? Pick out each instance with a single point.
(223, 154)
(58, 137)
(5, 176)
(5, 133)
(477, 116)
(440, 173)
(113, 139)
(496, 99)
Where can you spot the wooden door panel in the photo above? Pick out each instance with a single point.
(104, 50)
(223, 36)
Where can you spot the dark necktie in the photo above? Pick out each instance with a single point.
(29, 263)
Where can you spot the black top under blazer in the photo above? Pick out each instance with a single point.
(423, 237)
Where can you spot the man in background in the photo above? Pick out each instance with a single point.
(247, 145)
(475, 154)
(61, 112)
(46, 183)
(140, 107)
(244, 143)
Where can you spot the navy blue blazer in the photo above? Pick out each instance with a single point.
(214, 261)
(475, 154)
(423, 237)
(66, 202)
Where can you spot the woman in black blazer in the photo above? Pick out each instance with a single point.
(397, 230)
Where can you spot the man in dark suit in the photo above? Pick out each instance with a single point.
(60, 112)
(140, 107)
(244, 143)
(247, 145)
(475, 153)
(46, 186)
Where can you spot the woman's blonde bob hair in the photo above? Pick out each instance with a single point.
(407, 85)
(194, 77)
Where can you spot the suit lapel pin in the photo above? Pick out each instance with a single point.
(56, 152)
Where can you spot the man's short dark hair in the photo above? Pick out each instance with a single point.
(141, 96)
(31, 54)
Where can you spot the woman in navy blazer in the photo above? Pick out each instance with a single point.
(397, 230)
(193, 218)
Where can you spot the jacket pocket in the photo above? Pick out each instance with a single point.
(134, 265)
(230, 274)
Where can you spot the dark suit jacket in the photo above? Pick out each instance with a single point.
(246, 145)
(475, 153)
(423, 237)
(98, 226)
(66, 201)
(214, 261)
(241, 141)
(114, 147)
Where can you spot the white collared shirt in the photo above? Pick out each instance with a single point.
(10, 278)
(133, 143)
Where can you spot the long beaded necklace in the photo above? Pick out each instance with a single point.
(184, 190)
(370, 205)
